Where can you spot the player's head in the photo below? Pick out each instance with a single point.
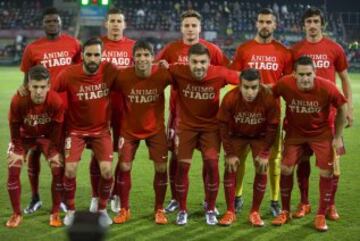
(51, 22)
(265, 23)
(143, 54)
(249, 84)
(38, 83)
(190, 26)
(199, 60)
(304, 71)
(313, 21)
(115, 22)
(91, 54)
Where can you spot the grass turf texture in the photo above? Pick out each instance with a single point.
(142, 227)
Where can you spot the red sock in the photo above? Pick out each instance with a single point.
(56, 188)
(172, 174)
(34, 171)
(325, 185)
(182, 184)
(124, 186)
(115, 187)
(229, 189)
(14, 188)
(335, 181)
(303, 174)
(286, 185)
(212, 182)
(160, 183)
(259, 189)
(203, 173)
(104, 191)
(94, 175)
(69, 191)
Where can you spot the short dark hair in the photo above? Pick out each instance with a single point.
(191, 14)
(312, 12)
(50, 11)
(266, 11)
(198, 49)
(113, 11)
(250, 74)
(38, 72)
(92, 41)
(143, 44)
(303, 60)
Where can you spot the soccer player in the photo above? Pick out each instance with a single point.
(88, 92)
(309, 100)
(329, 58)
(198, 85)
(55, 51)
(273, 60)
(35, 121)
(118, 51)
(143, 89)
(177, 52)
(248, 117)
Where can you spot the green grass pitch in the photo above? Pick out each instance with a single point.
(142, 227)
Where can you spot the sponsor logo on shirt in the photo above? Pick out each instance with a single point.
(142, 96)
(118, 58)
(37, 119)
(304, 106)
(249, 118)
(54, 59)
(199, 92)
(91, 92)
(263, 62)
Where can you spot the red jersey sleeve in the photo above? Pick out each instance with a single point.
(60, 84)
(273, 120)
(340, 62)
(336, 98)
(288, 69)
(26, 61)
(219, 58)
(232, 77)
(277, 88)
(77, 56)
(15, 120)
(57, 119)
(237, 62)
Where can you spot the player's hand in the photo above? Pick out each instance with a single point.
(56, 160)
(121, 142)
(337, 143)
(15, 160)
(261, 163)
(164, 64)
(231, 163)
(267, 88)
(23, 91)
(349, 117)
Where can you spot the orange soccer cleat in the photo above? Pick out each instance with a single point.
(282, 218)
(160, 217)
(228, 218)
(302, 210)
(14, 220)
(332, 213)
(320, 223)
(55, 220)
(123, 216)
(255, 219)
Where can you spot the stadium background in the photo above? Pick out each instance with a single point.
(227, 23)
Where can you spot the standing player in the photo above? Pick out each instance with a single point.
(198, 87)
(328, 57)
(248, 118)
(273, 60)
(309, 100)
(118, 51)
(35, 121)
(177, 52)
(55, 51)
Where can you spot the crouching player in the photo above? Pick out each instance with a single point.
(35, 122)
(248, 117)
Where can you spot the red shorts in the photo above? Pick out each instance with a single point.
(100, 144)
(39, 143)
(241, 146)
(208, 142)
(156, 144)
(323, 150)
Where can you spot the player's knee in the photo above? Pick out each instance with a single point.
(105, 169)
(70, 170)
(125, 166)
(326, 172)
(161, 167)
(287, 170)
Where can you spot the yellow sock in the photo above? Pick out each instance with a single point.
(275, 170)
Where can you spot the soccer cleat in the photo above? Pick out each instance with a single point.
(115, 204)
(123, 216)
(302, 210)
(228, 218)
(332, 213)
(210, 217)
(255, 219)
(69, 217)
(282, 218)
(160, 217)
(215, 210)
(55, 220)
(275, 208)
(172, 206)
(14, 221)
(239, 203)
(105, 218)
(181, 218)
(63, 207)
(320, 223)
(94, 204)
(34, 205)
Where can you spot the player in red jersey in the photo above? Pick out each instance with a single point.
(118, 51)
(88, 91)
(198, 87)
(55, 51)
(143, 89)
(273, 60)
(309, 100)
(248, 118)
(329, 58)
(177, 52)
(35, 121)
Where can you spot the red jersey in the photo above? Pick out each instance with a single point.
(273, 59)
(144, 100)
(88, 98)
(328, 56)
(198, 100)
(307, 113)
(55, 54)
(119, 53)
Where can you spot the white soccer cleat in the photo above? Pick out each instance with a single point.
(105, 218)
(215, 210)
(94, 205)
(210, 217)
(115, 204)
(34, 205)
(172, 206)
(69, 217)
(181, 218)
